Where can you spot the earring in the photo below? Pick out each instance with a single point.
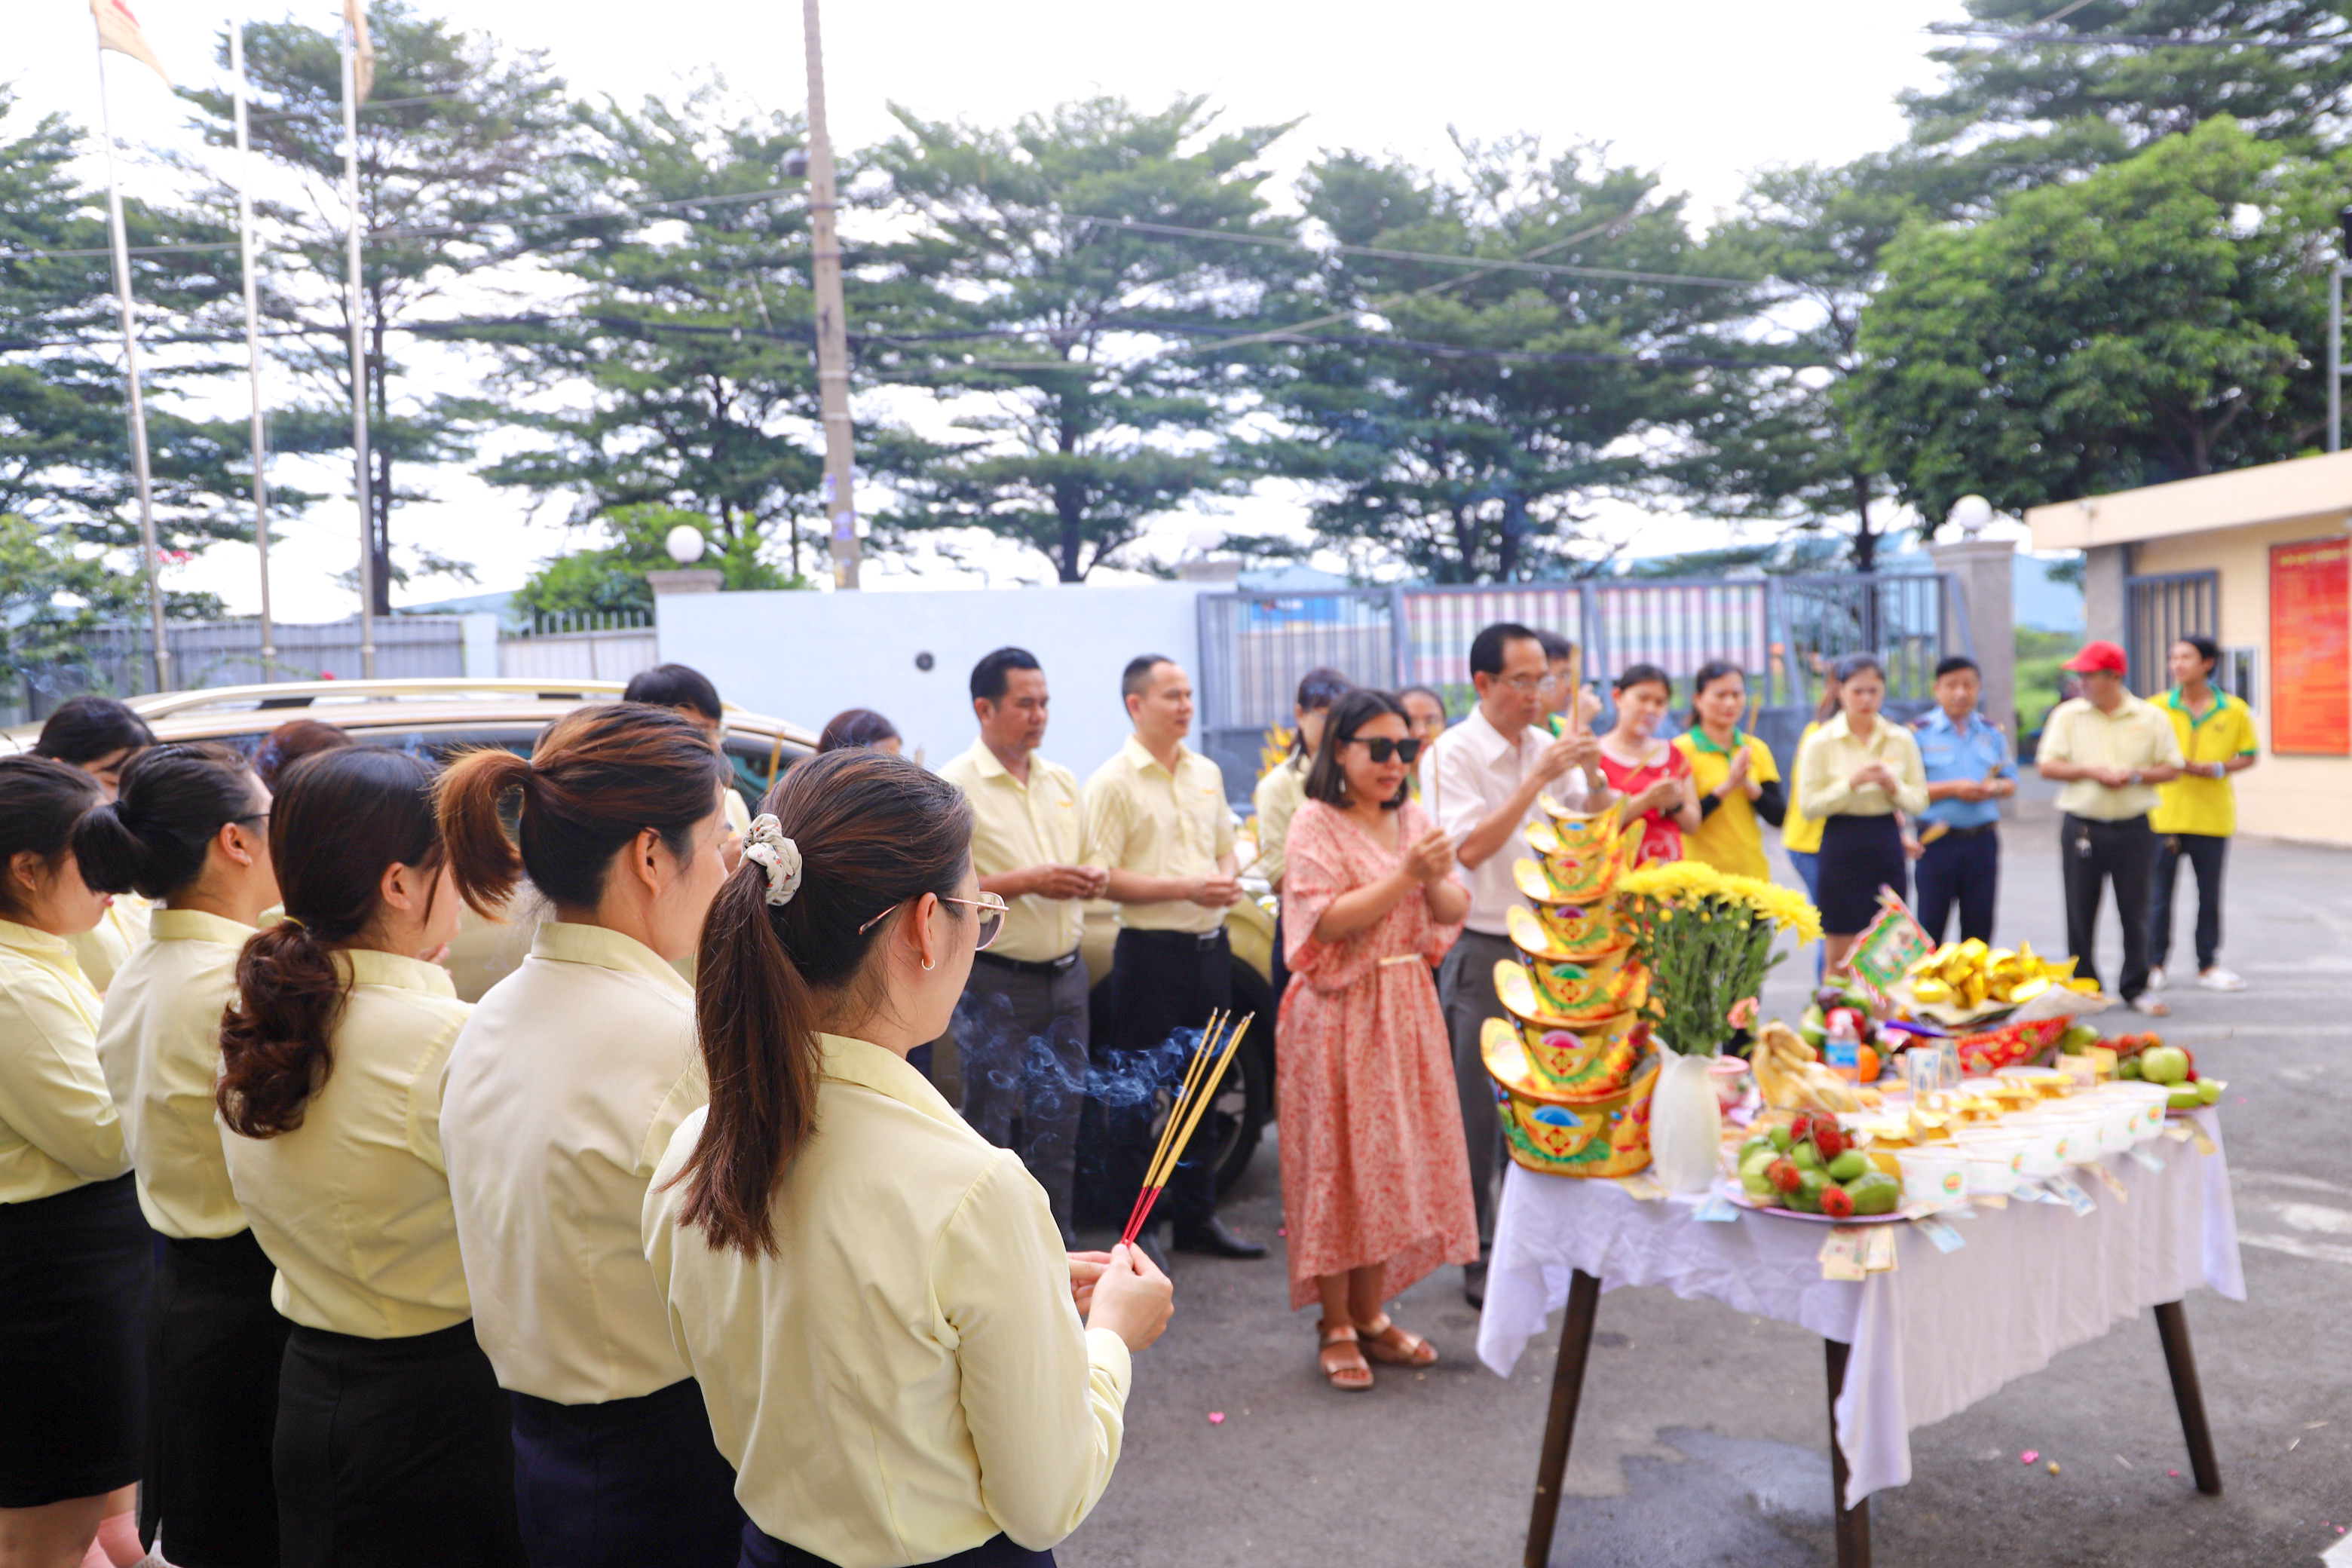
(930, 964)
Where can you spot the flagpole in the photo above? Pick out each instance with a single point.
(138, 468)
(252, 345)
(359, 354)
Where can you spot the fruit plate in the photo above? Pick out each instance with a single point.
(1739, 1195)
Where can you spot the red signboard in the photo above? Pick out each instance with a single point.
(2310, 649)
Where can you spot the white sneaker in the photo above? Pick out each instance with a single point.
(2151, 1004)
(2220, 979)
(2155, 978)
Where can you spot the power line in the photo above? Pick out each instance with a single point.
(1438, 259)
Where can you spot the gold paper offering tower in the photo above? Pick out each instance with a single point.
(1573, 1064)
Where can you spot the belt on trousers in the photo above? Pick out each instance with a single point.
(1978, 831)
(1197, 941)
(1029, 965)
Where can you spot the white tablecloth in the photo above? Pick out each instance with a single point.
(1931, 1336)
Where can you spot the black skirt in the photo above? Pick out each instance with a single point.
(626, 1483)
(73, 1334)
(394, 1454)
(1859, 855)
(213, 1349)
(761, 1550)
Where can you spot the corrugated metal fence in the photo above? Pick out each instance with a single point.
(1781, 632)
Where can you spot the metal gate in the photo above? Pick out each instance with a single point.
(2161, 610)
(1255, 648)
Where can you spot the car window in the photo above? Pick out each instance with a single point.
(758, 762)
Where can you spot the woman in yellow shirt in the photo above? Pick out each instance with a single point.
(99, 736)
(392, 1443)
(1737, 779)
(189, 829)
(1854, 775)
(73, 1249)
(840, 1253)
(563, 1090)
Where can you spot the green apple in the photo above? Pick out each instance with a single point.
(2128, 1067)
(2208, 1090)
(1848, 1165)
(2164, 1064)
(1874, 1192)
(2187, 1097)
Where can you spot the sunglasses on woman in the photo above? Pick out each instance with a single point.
(992, 917)
(1382, 749)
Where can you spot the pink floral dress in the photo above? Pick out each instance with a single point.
(1373, 1166)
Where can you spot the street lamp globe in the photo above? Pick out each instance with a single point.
(684, 543)
(1969, 514)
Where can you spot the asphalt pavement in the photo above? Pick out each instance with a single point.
(1704, 1433)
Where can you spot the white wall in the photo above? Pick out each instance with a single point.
(805, 656)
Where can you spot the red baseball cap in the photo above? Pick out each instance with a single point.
(2099, 655)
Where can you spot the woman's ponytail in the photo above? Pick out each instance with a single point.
(154, 837)
(341, 818)
(873, 831)
(597, 778)
(482, 859)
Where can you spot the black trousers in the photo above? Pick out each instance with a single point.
(761, 1550)
(2093, 854)
(1165, 981)
(1465, 988)
(394, 1454)
(1963, 869)
(2206, 853)
(625, 1483)
(215, 1348)
(1022, 1036)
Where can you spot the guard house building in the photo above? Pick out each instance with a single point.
(2261, 561)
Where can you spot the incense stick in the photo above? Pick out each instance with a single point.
(1203, 1052)
(1203, 1095)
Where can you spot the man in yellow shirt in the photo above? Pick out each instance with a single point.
(1158, 823)
(2196, 813)
(1021, 1027)
(2110, 750)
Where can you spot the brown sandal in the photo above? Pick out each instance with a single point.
(1352, 1377)
(1398, 1347)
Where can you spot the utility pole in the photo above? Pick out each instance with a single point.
(2336, 335)
(831, 327)
(252, 345)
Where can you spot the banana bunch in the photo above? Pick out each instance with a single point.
(1790, 1078)
(1968, 975)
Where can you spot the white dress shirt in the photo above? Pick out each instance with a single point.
(1470, 774)
(562, 1094)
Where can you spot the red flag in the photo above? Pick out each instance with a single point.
(118, 30)
(362, 50)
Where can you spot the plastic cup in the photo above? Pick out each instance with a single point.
(1935, 1177)
(2048, 1141)
(1996, 1159)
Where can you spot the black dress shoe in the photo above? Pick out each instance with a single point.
(1474, 1283)
(1212, 1237)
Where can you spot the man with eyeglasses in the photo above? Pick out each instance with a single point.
(1158, 823)
(1482, 777)
(1021, 1029)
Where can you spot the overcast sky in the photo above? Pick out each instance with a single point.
(1703, 92)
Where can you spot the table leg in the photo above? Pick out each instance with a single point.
(1567, 1388)
(1852, 1523)
(2181, 1360)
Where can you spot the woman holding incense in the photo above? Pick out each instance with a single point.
(563, 1090)
(190, 830)
(74, 1252)
(1375, 1173)
(1859, 769)
(1652, 778)
(1736, 781)
(840, 1253)
(391, 1444)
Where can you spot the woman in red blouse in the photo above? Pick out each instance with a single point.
(1650, 774)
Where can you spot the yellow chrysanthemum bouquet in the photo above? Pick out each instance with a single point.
(1707, 939)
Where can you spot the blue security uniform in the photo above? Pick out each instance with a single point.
(1963, 866)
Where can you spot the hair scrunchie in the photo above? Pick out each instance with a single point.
(780, 854)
